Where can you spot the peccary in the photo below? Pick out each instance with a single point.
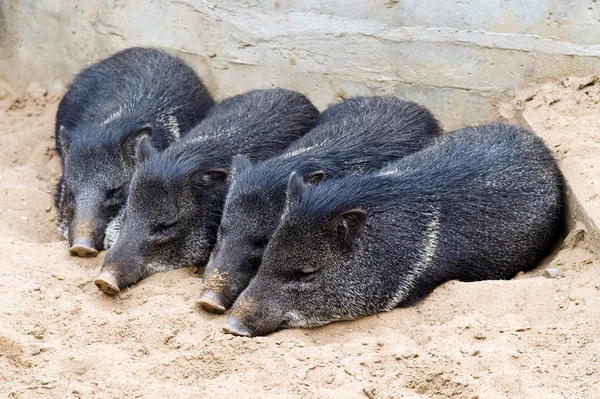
(355, 136)
(109, 106)
(176, 196)
(482, 203)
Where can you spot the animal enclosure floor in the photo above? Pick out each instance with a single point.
(62, 338)
(566, 115)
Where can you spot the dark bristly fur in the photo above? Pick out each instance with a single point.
(174, 208)
(482, 203)
(355, 136)
(108, 107)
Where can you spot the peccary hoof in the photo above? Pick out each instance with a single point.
(107, 283)
(211, 302)
(234, 327)
(83, 247)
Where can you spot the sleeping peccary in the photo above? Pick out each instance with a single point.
(482, 203)
(356, 136)
(107, 109)
(176, 196)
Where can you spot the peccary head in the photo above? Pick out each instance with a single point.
(170, 218)
(304, 280)
(94, 186)
(252, 210)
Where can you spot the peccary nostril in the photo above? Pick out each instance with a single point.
(235, 327)
(83, 247)
(211, 302)
(107, 283)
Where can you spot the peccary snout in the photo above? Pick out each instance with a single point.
(241, 241)
(234, 327)
(113, 278)
(107, 282)
(210, 301)
(257, 313)
(122, 268)
(221, 285)
(86, 233)
(83, 247)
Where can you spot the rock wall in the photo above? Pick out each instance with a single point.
(459, 58)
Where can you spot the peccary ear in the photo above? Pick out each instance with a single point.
(144, 149)
(295, 190)
(314, 178)
(130, 143)
(239, 163)
(349, 225)
(209, 178)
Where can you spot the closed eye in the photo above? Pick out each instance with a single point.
(260, 242)
(115, 193)
(306, 274)
(165, 227)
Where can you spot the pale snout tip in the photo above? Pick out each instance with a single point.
(107, 283)
(83, 247)
(235, 327)
(211, 302)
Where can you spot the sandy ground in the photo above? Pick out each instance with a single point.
(532, 337)
(566, 115)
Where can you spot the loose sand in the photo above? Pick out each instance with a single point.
(566, 115)
(61, 338)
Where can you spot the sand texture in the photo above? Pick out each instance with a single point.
(532, 337)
